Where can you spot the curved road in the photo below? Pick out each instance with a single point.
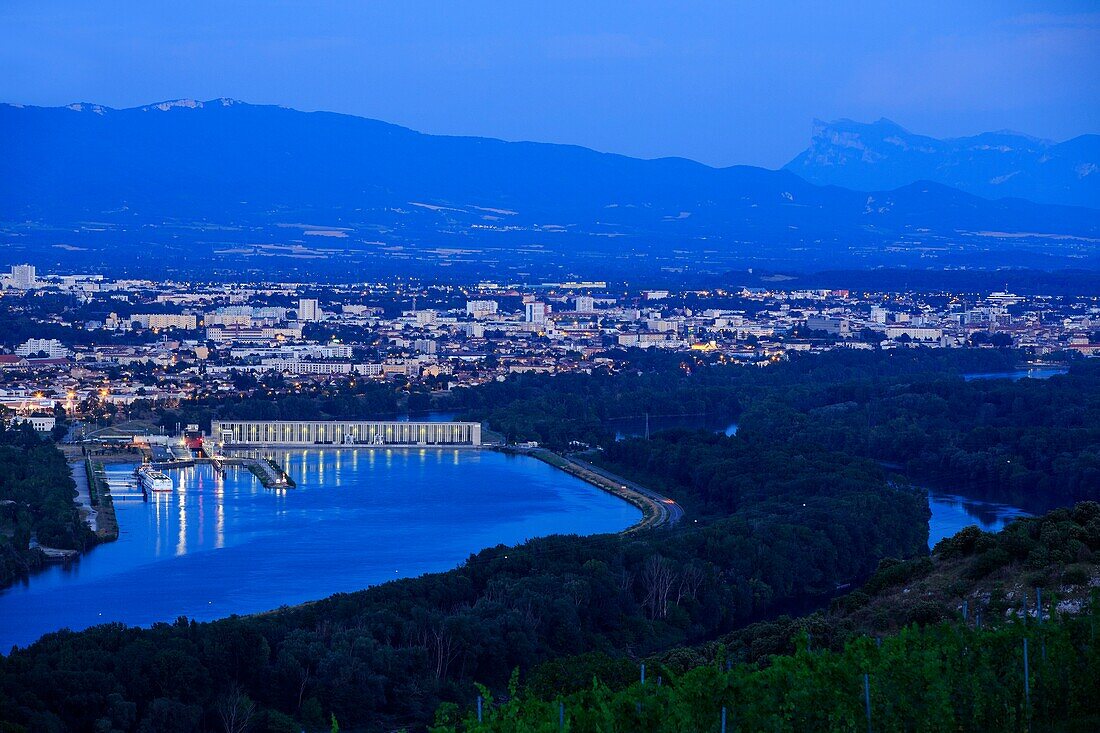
(673, 511)
(660, 510)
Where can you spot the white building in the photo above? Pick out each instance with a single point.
(53, 348)
(585, 304)
(829, 324)
(535, 312)
(23, 277)
(296, 366)
(188, 321)
(41, 423)
(481, 308)
(424, 346)
(308, 310)
(916, 334)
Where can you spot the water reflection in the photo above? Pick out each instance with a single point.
(636, 427)
(222, 544)
(951, 513)
(1018, 374)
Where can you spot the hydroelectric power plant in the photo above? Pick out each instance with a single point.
(302, 433)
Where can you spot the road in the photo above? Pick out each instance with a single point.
(84, 496)
(659, 510)
(673, 511)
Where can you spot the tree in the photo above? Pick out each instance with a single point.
(235, 710)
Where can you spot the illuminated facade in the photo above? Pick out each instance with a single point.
(230, 433)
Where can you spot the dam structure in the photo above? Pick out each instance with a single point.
(346, 433)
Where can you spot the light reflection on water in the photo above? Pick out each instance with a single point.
(951, 513)
(1018, 374)
(222, 544)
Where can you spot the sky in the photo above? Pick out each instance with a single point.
(720, 82)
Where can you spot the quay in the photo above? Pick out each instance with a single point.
(270, 474)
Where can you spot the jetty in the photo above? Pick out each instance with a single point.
(270, 473)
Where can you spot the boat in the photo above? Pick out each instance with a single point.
(154, 480)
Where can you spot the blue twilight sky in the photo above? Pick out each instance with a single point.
(721, 82)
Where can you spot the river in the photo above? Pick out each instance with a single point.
(221, 545)
(951, 512)
(1018, 374)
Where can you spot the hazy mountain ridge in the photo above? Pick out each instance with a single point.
(213, 177)
(993, 165)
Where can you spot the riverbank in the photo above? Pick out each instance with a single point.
(657, 510)
(94, 495)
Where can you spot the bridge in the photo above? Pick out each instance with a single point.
(321, 433)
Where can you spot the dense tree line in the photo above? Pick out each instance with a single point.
(1033, 443)
(944, 677)
(993, 576)
(36, 502)
(559, 409)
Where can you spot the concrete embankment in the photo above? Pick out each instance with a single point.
(94, 496)
(270, 474)
(657, 510)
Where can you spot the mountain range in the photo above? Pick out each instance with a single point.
(883, 154)
(224, 183)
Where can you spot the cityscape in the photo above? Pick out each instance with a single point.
(499, 367)
(132, 341)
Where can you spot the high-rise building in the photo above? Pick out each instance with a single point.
(586, 304)
(23, 277)
(308, 310)
(535, 312)
(481, 308)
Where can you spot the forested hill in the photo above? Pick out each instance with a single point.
(938, 642)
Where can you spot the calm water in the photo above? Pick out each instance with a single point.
(950, 513)
(1018, 374)
(223, 545)
(635, 427)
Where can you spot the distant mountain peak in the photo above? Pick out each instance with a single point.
(191, 104)
(88, 107)
(884, 155)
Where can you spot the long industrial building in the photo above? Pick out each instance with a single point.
(234, 433)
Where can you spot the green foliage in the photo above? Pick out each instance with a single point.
(943, 677)
(36, 501)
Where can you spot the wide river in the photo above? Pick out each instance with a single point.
(220, 545)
